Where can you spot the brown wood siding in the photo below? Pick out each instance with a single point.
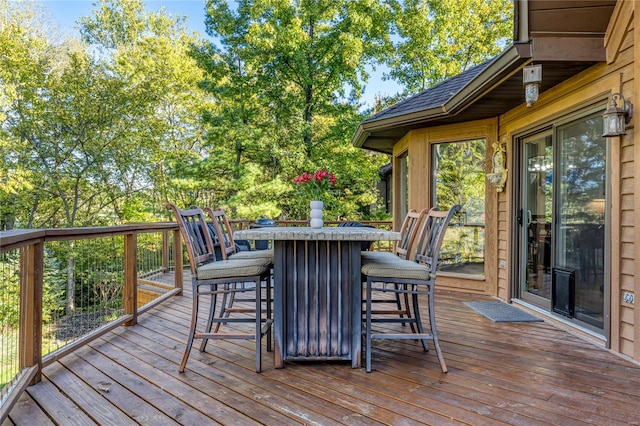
(592, 87)
(626, 346)
(626, 267)
(628, 250)
(626, 326)
(503, 240)
(399, 150)
(635, 131)
(419, 167)
(546, 17)
(626, 331)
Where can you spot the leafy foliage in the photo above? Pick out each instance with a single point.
(441, 38)
(52, 294)
(282, 78)
(107, 128)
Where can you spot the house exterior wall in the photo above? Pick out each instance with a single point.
(586, 91)
(635, 347)
(590, 88)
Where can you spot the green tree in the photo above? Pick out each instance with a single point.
(441, 38)
(148, 54)
(97, 133)
(304, 56)
(289, 75)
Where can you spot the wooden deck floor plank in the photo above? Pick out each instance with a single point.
(99, 409)
(58, 406)
(288, 390)
(239, 379)
(569, 409)
(363, 406)
(500, 373)
(441, 396)
(541, 332)
(158, 407)
(435, 367)
(514, 330)
(545, 350)
(590, 399)
(541, 350)
(450, 388)
(513, 388)
(355, 392)
(546, 385)
(369, 410)
(199, 399)
(520, 392)
(569, 361)
(27, 412)
(384, 392)
(566, 368)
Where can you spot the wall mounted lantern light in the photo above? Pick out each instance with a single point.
(617, 116)
(531, 78)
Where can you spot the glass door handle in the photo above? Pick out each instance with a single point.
(529, 217)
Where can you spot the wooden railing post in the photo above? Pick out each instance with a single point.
(177, 260)
(30, 340)
(130, 291)
(165, 251)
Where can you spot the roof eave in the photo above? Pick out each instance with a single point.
(503, 66)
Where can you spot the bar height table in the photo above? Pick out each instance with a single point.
(317, 301)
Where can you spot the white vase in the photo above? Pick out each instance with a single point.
(316, 214)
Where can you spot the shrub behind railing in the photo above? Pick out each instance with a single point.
(9, 316)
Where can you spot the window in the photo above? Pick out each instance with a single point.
(459, 178)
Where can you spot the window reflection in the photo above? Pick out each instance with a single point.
(459, 178)
(581, 204)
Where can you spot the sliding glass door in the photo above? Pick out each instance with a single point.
(562, 220)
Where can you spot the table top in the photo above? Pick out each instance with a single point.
(331, 233)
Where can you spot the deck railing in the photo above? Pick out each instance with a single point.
(62, 288)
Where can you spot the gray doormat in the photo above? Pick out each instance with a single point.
(501, 312)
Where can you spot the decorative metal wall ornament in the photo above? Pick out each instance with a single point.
(498, 175)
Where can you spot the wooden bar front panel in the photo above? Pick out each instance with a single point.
(317, 301)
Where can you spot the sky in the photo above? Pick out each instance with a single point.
(66, 13)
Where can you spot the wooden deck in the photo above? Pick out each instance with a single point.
(499, 373)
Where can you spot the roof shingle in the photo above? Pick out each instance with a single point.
(432, 97)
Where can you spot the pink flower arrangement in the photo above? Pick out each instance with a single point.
(316, 185)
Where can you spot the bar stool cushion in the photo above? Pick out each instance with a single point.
(235, 268)
(397, 269)
(378, 256)
(253, 254)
